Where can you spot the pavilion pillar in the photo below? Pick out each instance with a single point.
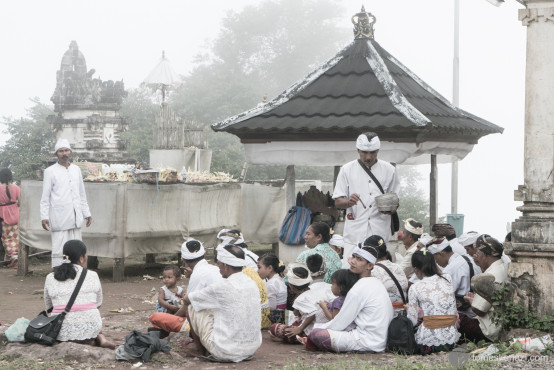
(532, 247)
(433, 194)
(290, 183)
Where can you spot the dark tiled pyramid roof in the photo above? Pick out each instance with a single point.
(362, 88)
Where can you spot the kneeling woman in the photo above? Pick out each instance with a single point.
(434, 295)
(83, 323)
(367, 306)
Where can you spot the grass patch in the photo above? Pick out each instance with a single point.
(399, 362)
(18, 364)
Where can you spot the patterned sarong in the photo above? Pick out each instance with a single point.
(10, 240)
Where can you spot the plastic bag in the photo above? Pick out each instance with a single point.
(16, 332)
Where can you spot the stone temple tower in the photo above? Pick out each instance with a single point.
(88, 111)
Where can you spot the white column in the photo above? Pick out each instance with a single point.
(532, 247)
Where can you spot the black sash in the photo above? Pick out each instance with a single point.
(395, 221)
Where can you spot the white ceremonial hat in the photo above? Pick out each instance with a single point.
(192, 249)
(468, 238)
(61, 143)
(365, 145)
(436, 248)
(226, 257)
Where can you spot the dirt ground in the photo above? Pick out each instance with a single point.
(22, 297)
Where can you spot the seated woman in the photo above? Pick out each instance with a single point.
(434, 295)
(83, 323)
(367, 305)
(397, 298)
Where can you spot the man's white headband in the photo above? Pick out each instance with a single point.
(425, 238)
(228, 258)
(365, 254)
(61, 143)
(436, 248)
(468, 238)
(295, 280)
(410, 228)
(230, 238)
(188, 255)
(337, 241)
(365, 145)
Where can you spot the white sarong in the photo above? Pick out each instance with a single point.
(59, 238)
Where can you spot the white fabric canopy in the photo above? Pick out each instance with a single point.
(162, 74)
(337, 153)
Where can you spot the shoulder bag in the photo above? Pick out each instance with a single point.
(44, 329)
(401, 334)
(395, 221)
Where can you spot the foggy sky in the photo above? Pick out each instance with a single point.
(124, 40)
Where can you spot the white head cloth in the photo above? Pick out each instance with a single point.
(337, 241)
(365, 254)
(425, 238)
(365, 145)
(436, 248)
(229, 238)
(61, 143)
(468, 238)
(228, 258)
(188, 255)
(295, 280)
(410, 228)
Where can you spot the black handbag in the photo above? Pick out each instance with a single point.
(44, 329)
(401, 334)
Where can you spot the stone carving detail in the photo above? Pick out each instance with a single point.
(88, 111)
(528, 16)
(75, 87)
(363, 25)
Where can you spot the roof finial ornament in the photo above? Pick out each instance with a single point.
(363, 25)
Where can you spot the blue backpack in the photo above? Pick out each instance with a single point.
(295, 224)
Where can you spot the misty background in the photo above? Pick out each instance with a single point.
(231, 53)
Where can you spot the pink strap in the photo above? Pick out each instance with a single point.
(76, 307)
(281, 306)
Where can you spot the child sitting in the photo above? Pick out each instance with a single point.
(170, 294)
(299, 282)
(270, 270)
(342, 282)
(319, 289)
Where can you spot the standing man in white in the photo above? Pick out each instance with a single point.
(355, 191)
(63, 205)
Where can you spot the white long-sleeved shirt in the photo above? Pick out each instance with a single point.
(458, 269)
(276, 291)
(367, 305)
(202, 276)
(363, 222)
(63, 202)
(235, 302)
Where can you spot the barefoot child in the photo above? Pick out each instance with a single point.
(342, 282)
(170, 294)
(270, 270)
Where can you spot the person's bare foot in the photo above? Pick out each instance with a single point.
(101, 341)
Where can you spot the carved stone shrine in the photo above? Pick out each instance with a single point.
(88, 111)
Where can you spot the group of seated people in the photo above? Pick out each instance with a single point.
(325, 301)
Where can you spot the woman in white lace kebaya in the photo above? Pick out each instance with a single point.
(434, 295)
(83, 323)
(380, 273)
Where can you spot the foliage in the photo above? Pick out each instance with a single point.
(141, 111)
(31, 141)
(259, 51)
(511, 315)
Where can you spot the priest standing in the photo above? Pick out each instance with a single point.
(63, 205)
(355, 191)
